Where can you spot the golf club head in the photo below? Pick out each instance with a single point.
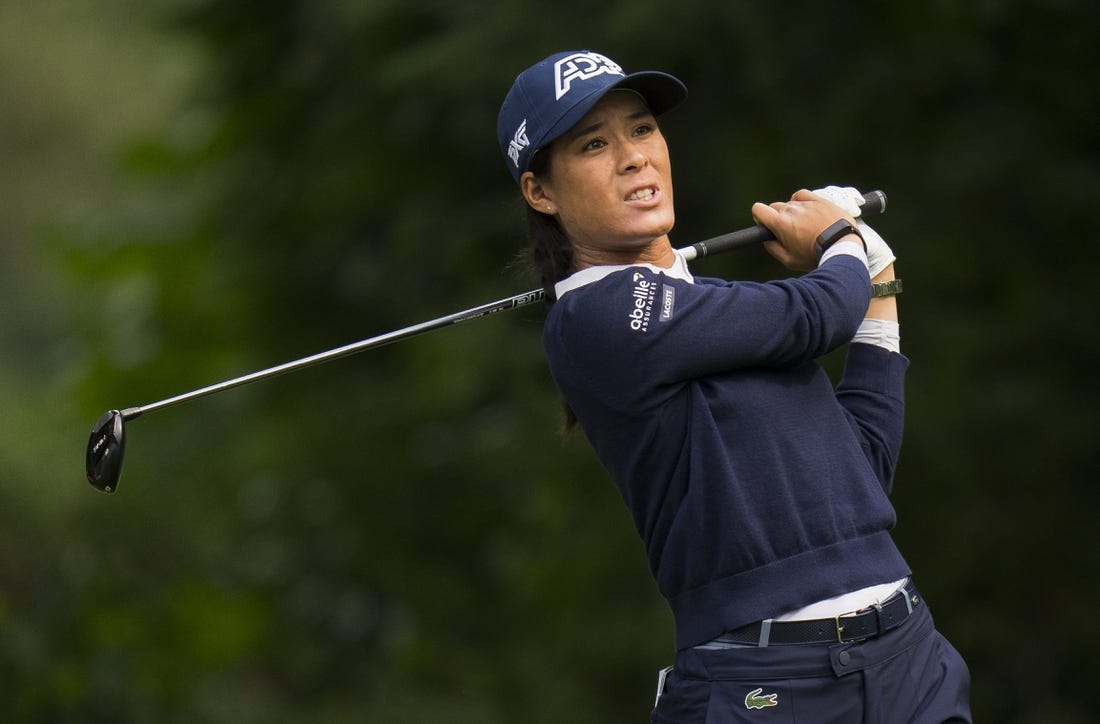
(106, 445)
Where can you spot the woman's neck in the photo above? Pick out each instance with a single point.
(658, 253)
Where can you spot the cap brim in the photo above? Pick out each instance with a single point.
(662, 92)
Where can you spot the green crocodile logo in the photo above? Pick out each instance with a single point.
(754, 700)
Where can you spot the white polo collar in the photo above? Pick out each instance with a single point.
(678, 270)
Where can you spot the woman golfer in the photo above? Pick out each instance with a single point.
(760, 491)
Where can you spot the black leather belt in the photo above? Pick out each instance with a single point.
(863, 624)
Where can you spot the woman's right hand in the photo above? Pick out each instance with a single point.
(796, 225)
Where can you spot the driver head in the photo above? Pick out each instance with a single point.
(103, 461)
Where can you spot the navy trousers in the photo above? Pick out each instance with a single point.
(909, 674)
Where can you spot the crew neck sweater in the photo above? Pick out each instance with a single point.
(756, 486)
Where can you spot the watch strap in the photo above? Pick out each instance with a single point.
(834, 233)
(886, 289)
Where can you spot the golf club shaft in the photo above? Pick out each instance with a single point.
(500, 305)
(875, 203)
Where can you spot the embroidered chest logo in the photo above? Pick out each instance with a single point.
(757, 699)
(642, 295)
(581, 66)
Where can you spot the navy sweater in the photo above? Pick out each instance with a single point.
(755, 486)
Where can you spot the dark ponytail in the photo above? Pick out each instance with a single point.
(550, 252)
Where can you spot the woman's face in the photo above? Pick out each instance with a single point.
(609, 183)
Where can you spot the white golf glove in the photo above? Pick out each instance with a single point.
(879, 254)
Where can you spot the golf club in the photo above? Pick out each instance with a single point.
(103, 460)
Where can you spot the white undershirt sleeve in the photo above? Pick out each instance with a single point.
(854, 247)
(881, 333)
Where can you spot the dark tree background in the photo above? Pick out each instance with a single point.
(403, 536)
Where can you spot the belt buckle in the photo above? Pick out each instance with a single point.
(839, 629)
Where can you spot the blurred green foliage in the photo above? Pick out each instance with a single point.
(195, 189)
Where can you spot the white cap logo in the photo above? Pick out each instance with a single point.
(581, 66)
(518, 143)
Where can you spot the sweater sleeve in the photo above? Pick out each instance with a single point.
(871, 392)
(638, 333)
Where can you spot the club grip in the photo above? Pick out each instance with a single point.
(874, 202)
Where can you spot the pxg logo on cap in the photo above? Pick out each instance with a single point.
(518, 143)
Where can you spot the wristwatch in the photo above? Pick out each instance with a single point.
(886, 289)
(834, 233)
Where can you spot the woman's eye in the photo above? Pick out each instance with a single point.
(594, 144)
(643, 129)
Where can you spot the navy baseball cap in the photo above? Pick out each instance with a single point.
(551, 96)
